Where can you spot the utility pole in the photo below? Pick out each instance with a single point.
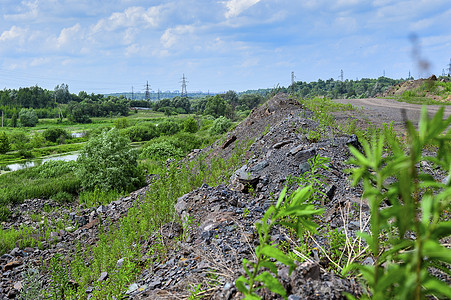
(184, 92)
(292, 82)
(158, 94)
(384, 73)
(341, 75)
(147, 91)
(409, 74)
(133, 94)
(449, 68)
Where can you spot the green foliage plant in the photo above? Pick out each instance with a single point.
(42, 181)
(108, 162)
(291, 211)
(55, 134)
(121, 123)
(28, 117)
(190, 125)
(5, 213)
(412, 225)
(161, 151)
(31, 285)
(5, 145)
(220, 125)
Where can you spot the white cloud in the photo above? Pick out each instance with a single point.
(131, 17)
(172, 36)
(236, 7)
(14, 34)
(28, 11)
(68, 35)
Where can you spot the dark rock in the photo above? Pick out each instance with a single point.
(11, 265)
(229, 141)
(354, 142)
(305, 154)
(260, 166)
(330, 191)
(304, 167)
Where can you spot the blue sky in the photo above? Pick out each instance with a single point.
(105, 46)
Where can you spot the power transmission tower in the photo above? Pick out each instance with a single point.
(184, 82)
(449, 68)
(292, 82)
(384, 73)
(158, 94)
(147, 91)
(341, 75)
(409, 74)
(133, 95)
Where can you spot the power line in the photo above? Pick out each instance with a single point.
(184, 93)
(147, 91)
(449, 68)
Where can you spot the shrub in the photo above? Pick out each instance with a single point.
(108, 162)
(161, 151)
(190, 125)
(121, 123)
(5, 146)
(220, 125)
(141, 132)
(168, 127)
(55, 134)
(28, 117)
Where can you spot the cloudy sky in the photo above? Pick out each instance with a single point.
(105, 46)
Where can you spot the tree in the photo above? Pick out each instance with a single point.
(190, 125)
(55, 134)
(14, 119)
(28, 117)
(215, 106)
(5, 146)
(62, 94)
(108, 162)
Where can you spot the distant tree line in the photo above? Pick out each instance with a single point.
(30, 101)
(362, 88)
(229, 104)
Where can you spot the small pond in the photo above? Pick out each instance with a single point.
(37, 162)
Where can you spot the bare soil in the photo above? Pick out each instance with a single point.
(378, 111)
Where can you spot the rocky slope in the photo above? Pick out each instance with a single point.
(217, 222)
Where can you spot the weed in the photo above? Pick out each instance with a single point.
(31, 285)
(292, 206)
(402, 267)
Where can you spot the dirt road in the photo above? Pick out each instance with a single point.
(379, 111)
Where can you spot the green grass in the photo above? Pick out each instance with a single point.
(37, 182)
(126, 238)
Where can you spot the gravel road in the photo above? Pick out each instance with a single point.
(379, 111)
